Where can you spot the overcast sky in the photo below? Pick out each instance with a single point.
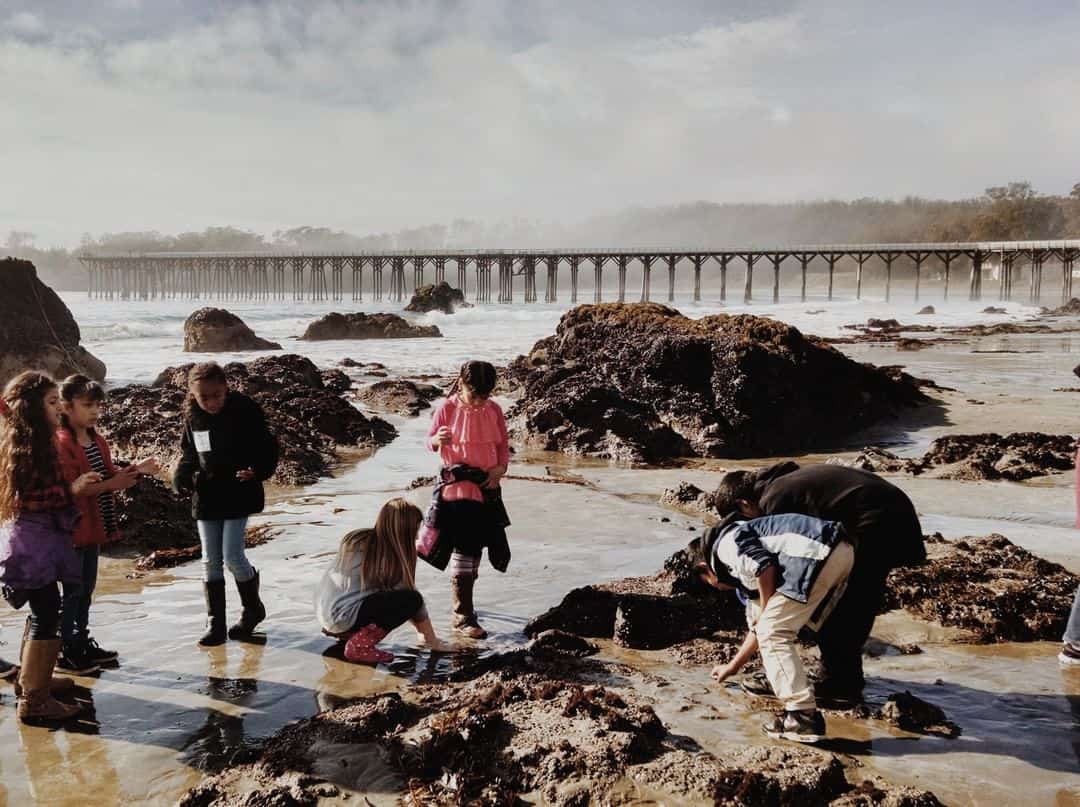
(373, 116)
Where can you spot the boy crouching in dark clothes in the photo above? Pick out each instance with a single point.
(791, 569)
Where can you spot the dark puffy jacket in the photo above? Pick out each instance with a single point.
(878, 516)
(214, 447)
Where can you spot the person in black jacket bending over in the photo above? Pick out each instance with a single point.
(227, 452)
(882, 523)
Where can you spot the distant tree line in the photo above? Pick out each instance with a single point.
(1015, 211)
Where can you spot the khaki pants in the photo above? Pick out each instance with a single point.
(780, 621)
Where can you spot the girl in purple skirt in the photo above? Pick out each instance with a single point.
(37, 521)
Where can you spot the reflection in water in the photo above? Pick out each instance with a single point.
(1071, 684)
(221, 742)
(63, 766)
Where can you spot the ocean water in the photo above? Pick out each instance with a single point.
(137, 339)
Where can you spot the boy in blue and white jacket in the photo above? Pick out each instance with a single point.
(791, 569)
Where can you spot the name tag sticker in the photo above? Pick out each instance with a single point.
(202, 441)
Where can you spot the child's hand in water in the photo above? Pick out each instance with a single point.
(85, 481)
(721, 672)
(437, 645)
(245, 475)
(443, 436)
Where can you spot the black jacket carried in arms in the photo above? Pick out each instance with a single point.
(877, 515)
(214, 447)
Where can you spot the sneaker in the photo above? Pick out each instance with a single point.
(97, 654)
(74, 660)
(757, 685)
(1069, 655)
(800, 727)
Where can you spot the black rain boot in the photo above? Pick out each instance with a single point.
(254, 611)
(215, 614)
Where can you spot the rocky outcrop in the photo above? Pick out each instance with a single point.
(1070, 309)
(311, 420)
(151, 517)
(215, 330)
(366, 326)
(1003, 328)
(645, 612)
(887, 330)
(912, 713)
(993, 309)
(687, 496)
(398, 396)
(439, 297)
(1017, 456)
(37, 331)
(517, 726)
(643, 383)
(989, 587)
(926, 310)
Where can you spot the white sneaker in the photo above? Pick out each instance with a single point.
(1069, 655)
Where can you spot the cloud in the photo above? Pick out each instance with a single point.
(371, 116)
(25, 24)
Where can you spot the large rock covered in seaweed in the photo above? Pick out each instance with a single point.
(37, 331)
(215, 330)
(642, 382)
(304, 406)
(366, 326)
(439, 297)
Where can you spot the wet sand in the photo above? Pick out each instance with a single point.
(173, 712)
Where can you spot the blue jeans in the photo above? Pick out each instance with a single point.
(75, 613)
(223, 545)
(1072, 628)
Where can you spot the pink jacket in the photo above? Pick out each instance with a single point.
(479, 439)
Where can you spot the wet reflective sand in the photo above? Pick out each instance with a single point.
(172, 712)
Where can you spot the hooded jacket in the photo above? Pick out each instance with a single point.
(213, 448)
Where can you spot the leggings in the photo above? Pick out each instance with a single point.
(462, 565)
(75, 618)
(223, 545)
(389, 609)
(44, 612)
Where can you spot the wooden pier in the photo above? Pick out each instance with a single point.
(266, 276)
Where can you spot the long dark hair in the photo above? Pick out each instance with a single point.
(80, 386)
(28, 458)
(207, 371)
(478, 376)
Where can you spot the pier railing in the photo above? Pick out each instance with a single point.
(279, 275)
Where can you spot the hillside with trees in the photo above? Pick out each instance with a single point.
(1015, 211)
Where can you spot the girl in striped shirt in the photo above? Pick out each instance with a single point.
(83, 450)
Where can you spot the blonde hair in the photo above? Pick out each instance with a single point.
(389, 549)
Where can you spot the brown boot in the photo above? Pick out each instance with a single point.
(465, 621)
(57, 685)
(37, 703)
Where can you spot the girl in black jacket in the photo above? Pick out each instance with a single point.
(227, 452)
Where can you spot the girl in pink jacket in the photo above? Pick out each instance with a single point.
(468, 429)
